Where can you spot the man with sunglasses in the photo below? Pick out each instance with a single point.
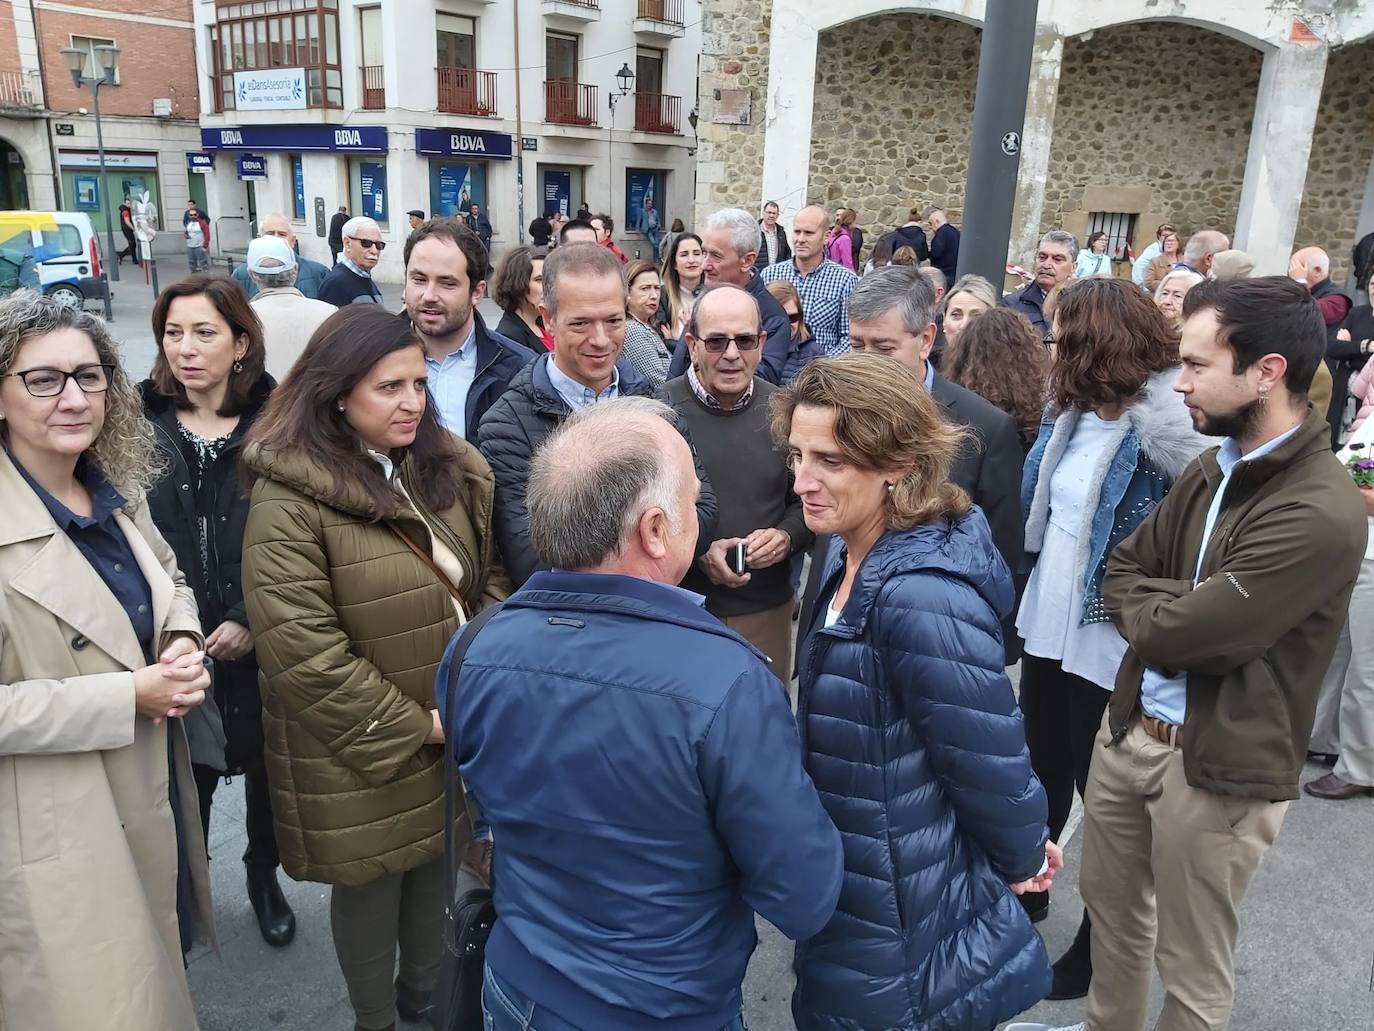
(725, 407)
(350, 281)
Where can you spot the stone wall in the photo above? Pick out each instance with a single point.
(893, 111)
(734, 56)
(1120, 123)
(1341, 148)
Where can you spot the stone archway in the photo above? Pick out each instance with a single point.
(14, 187)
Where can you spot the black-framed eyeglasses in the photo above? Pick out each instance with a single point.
(717, 343)
(369, 244)
(1048, 339)
(42, 382)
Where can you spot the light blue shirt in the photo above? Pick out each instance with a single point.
(575, 393)
(449, 383)
(930, 377)
(349, 264)
(1166, 698)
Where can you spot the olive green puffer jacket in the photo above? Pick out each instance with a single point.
(349, 627)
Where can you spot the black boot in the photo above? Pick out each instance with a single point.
(414, 1006)
(1036, 904)
(275, 919)
(1073, 971)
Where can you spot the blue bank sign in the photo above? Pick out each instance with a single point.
(347, 139)
(252, 167)
(463, 143)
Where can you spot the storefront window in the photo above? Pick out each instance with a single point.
(369, 190)
(272, 34)
(298, 187)
(454, 185)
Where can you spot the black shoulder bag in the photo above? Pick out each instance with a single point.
(468, 920)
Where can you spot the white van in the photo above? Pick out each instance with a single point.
(64, 251)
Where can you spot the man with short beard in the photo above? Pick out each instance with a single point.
(469, 365)
(1054, 261)
(1230, 596)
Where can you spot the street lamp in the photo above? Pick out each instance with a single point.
(624, 81)
(106, 64)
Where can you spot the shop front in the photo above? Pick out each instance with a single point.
(126, 175)
(459, 162)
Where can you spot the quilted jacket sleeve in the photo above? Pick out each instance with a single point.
(504, 444)
(938, 647)
(766, 809)
(308, 665)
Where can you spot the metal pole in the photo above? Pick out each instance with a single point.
(610, 160)
(999, 116)
(110, 269)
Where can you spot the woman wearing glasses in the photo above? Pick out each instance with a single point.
(804, 348)
(103, 874)
(350, 281)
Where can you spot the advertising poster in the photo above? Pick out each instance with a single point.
(298, 185)
(275, 89)
(455, 187)
(557, 192)
(640, 184)
(373, 185)
(87, 193)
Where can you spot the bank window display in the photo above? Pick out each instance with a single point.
(298, 187)
(82, 189)
(455, 185)
(560, 188)
(368, 188)
(643, 184)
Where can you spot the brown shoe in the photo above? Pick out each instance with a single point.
(1333, 788)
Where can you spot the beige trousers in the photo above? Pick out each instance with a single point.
(1344, 721)
(1165, 866)
(770, 631)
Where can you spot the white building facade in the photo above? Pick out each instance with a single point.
(401, 105)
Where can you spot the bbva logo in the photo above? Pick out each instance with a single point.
(348, 138)
(467, 143)
(230, 138)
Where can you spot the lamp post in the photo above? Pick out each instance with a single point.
(107, 63)
(624, 80)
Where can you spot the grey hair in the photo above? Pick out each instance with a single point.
(894, 286)
(274, 280)
(581, 261)
(710, 288)
(1064, 240)
(743, 228)
(124, 449)
(977, 287)
(1202, 243)
(594, 477)
(934, 209)
(351, 227)
(936, 277)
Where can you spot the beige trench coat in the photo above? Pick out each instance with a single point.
(88, 873)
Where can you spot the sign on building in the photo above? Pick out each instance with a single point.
(270, 89)
(252, 167)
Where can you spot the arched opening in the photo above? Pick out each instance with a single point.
(892, 115)
(14, 187)
(1134, 136)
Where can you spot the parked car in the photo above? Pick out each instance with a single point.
(62, 249)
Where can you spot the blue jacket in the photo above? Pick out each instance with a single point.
(913, 737)
(641, 773)
(1030, 302)
(1153, 443)
(309, 278)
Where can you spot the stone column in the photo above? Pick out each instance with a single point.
(1290, 91)
(791, 95)
(1042, 100)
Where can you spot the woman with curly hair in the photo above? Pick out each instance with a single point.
(1114, 440)
(999, 357)
(103, 867)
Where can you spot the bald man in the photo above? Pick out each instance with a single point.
(1311, 267)
(823, 286)
(1201, 248)
(309, 274)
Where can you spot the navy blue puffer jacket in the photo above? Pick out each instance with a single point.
(914, 740)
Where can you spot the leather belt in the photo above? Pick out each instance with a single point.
(1166, 733)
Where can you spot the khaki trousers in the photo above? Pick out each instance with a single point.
(1165, 866)
(770, 632)
(1344, 721)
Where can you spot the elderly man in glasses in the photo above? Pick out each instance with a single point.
(350, 281)
(724, 405)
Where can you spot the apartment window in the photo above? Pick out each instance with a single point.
(456, 40)
(88, 44)
(560, 57)
(649, 70)
(278, 34)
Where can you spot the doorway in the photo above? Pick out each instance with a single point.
(14, 187)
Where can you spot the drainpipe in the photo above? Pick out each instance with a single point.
(518, 145)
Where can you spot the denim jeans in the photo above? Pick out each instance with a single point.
(506, 1009)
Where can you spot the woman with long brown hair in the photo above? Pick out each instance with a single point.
(998, 356)
(682, 279)
(1114, 440)
(909, 726)
(368, 544)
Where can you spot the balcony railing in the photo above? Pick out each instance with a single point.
(374, 88)
(669, 11)
(657, 112)
(16, 90)
(569, 103)
(466, 91)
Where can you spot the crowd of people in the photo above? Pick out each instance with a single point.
(767, 525)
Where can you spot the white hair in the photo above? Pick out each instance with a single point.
(742, 226)
(357, 222)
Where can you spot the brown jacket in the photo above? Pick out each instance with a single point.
(88, 853)
(1256, 635)
(349, 627)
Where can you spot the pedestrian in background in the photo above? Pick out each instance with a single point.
(478, 222)
(638, 765)
(803, 349)
(967, 299)
(910, 728)
(1154, 250)
(350, 280)
(668, 241)
(368, 544)
(310, 275)
(1054, 264)
(1093, 260)
(651, 226)
(999, 357)
(1114, 440)
(196, 228)
(605, 235)
(944, 243)
(541, 230)
(1171, 291)
(103, 875)
(839, 241)
(518, 289)
(773, 245)
(823, 286)
(1171, 253)
(289, 318)
(207, 386)
(682, 279)
(126, 226)
(644, 348)
(908, 234)
(336, 224)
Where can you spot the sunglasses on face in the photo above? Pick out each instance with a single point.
(369, 244)
(718, 343)
(794, 319)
